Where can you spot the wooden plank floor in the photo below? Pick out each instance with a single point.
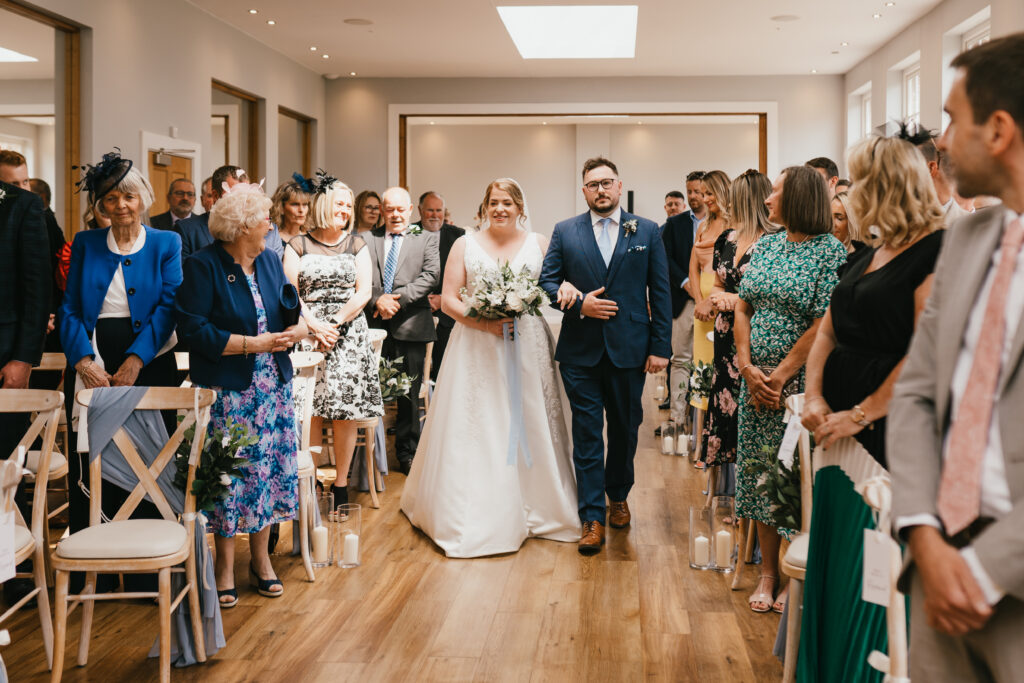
(634, 612)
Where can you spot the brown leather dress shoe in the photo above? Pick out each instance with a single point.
(618, 514)
(593, 538)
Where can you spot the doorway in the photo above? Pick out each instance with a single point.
(164, 169)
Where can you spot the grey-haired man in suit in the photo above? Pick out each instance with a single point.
(181, 197)
(405, 270)
(954, 429)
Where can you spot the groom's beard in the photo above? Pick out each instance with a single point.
(604, 204)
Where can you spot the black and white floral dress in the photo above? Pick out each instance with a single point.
(349, 384)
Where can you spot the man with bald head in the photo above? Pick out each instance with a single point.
(406, 269)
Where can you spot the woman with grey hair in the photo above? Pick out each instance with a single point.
(117, 320)
(240, 316)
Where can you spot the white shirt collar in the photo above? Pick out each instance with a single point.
(615, 217)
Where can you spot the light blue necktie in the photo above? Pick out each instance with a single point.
(389, 264)
(604, 242)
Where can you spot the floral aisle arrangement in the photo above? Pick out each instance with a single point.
(779, 485)
(698, 387)
(394, 383)
(219, 464)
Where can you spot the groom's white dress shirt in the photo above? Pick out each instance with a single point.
(613, 226)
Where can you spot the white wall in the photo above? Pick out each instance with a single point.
(147, 66)
(936, 36)
(811, 109)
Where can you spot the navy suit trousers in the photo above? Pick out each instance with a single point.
(594, 392)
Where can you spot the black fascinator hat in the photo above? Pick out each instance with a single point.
(323, 181)
(100, 179)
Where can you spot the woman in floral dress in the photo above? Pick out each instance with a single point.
(782, 297)
(733, 250)
(331, 269)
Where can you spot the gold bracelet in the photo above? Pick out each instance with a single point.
(245, 351)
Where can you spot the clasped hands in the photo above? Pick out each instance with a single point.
(387, 306)
(765, 390)
(94, 376)
(826, 426)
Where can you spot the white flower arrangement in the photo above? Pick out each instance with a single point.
(504, 293)
(3, 194)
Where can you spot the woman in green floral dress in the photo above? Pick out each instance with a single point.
(782, 298)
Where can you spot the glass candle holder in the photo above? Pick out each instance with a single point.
(348, 533)
(682, 444)
(320, 541)
(660, 389)
(723, 533)
(700, 538)
(668, 438)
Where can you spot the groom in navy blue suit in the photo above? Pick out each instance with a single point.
(604, 268)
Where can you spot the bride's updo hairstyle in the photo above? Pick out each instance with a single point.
(512, 188)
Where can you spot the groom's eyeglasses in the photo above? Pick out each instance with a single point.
(605, 184)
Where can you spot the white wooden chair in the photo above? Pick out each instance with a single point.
(794, 562)
(366, 429)
(29, 541)
(305, 366)
(134, 546)
(425, 380)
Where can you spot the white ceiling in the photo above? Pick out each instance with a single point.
(465, 38)
(29, 38)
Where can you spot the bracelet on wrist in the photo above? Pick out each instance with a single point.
(748, 365)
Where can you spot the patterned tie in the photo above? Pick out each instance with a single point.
(604, 242)
(389, 264)
(959, 501)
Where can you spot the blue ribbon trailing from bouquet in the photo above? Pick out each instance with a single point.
(513, 371)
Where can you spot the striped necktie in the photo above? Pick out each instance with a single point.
(390, 264)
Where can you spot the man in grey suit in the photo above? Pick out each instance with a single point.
(405, 270)
(181, 197)
(955, 433)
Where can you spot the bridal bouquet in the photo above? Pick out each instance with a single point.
(394, 383)
(504, 293)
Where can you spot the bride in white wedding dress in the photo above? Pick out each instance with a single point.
(462, 491)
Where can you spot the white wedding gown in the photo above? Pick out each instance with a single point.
(461, 491)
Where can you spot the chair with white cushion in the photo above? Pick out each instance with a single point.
(794, 562)
(137, 546)
(29, 540)
(305, 367)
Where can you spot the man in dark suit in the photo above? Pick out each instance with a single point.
(405, 272)
(609, 339)
(677, 235)
(432, 212)
(195, 231)
(181, 197)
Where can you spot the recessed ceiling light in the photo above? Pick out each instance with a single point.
(252, 11)
(543, 123)
(785, 17)
(12, 56)
(844, 44)
(431, 123)
(876, 15)
(312, 48)
(351, 73)
(890, 4)
(271, 22)
(639, 123)
(325, 56)
(358, 22)
(814, 71)
(572, 32)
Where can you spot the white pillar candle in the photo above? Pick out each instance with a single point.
(659, 392)
(351, 554)
(320, 544)
(666, 444)
(701, 551)
(723, 549)
(683, 443)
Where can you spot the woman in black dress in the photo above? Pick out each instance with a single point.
(851, 370)
(732, 254)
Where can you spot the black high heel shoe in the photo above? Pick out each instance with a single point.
(263, 586)
(340, 495)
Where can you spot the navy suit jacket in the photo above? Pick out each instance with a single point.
(638, 273)
(151, 277)
(214, 302)
(25, 276)
(677, 234)
(195, 234)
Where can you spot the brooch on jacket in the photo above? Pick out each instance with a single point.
(637, 249)
(414, 229)
(629, 227)
(3, 193)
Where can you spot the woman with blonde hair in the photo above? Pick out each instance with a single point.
(702, 273)
(844, 224)
(853, 365)
(289, 210)
(331, 268)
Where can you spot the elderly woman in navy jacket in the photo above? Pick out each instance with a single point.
(117, 319)
(239, 315)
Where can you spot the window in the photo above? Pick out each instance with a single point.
(865, 114)
(912, 94)
(979, 35)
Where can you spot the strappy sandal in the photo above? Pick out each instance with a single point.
(263, 586)
(763, 597)
(779, 606)
(229, 593)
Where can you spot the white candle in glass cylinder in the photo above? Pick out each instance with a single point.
(659, 392)
(319, 538)
(723, 548)
(666, 444)
(701, 551)
(351, 553)
(683, 443)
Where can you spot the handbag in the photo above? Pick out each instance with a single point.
(291, 309)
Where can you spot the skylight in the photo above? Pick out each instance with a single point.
(572, 31)
(12, 56)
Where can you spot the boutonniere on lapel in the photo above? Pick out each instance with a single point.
(3, 194)
(414, 229)
(629, 227)
(637, 249)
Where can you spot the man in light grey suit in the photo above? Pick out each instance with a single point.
(955, 430)
(406, 268)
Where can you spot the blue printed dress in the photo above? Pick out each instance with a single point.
(268, 492)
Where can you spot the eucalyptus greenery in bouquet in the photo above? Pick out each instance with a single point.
(701, 376)
(394, 382)
(779, 485)
(219, 463)
(504, 293)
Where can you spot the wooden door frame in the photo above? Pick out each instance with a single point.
(254, 128)
(307, 138)
(72, 97)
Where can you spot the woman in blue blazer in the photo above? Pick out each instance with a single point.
(240, 315)
(117, 318)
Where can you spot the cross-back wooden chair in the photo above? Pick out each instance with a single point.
(58, 467)
(137, 546)
(794, 562)
(306, 370)
(29, 540)
(366, 430)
